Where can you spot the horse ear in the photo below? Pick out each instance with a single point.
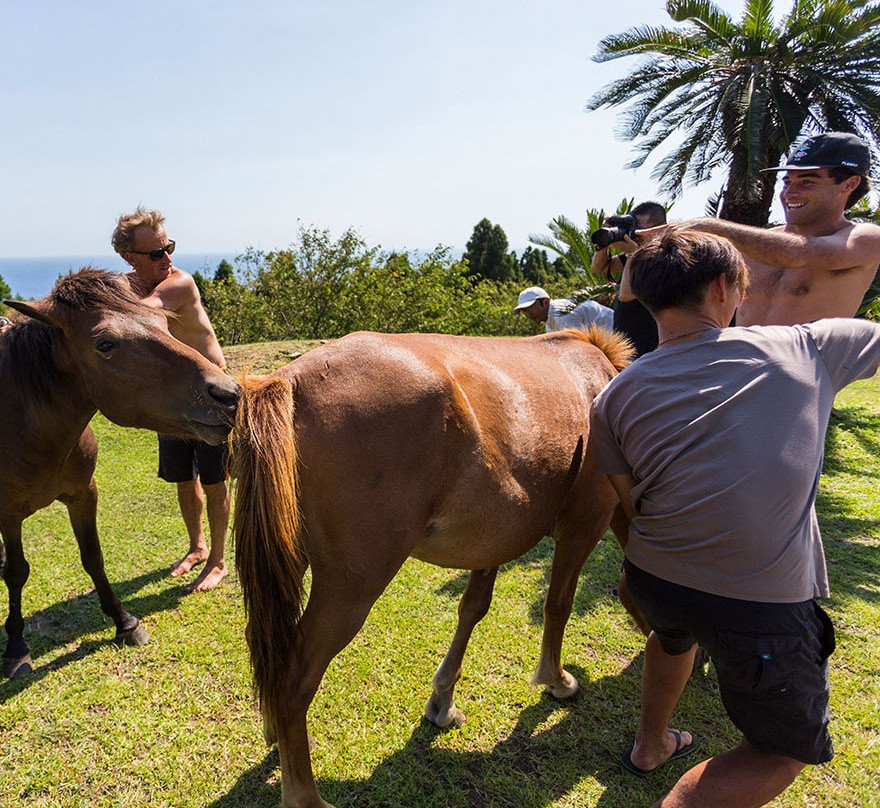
(38, 309)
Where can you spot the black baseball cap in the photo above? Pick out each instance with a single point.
(830, 150)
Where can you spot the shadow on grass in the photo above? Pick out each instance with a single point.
(554, 746)
(63, 622)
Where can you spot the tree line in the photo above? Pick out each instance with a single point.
(322, 287)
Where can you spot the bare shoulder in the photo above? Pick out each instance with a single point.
(177, 290)
(861, 240)
(866, 231)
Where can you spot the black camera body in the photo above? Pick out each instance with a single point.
(619, 227)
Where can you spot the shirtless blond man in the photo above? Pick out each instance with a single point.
(198, 468)
(818, 264)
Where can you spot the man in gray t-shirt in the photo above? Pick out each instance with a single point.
(714, 443)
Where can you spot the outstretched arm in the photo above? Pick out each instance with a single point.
(854, 245)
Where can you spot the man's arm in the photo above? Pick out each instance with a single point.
(624, 484)
(605, 264)
(851, 246)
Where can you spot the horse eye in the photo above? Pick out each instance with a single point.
(105, 347)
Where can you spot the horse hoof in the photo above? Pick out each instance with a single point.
(20, 666)
(565, 689)
(133, 636)
(450, 717)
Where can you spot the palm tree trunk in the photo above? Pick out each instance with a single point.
(748, 205)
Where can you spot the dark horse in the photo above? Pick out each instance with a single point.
(460, 451)
(91, 345)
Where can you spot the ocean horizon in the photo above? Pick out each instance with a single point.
(34, 277)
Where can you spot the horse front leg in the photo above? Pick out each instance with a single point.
(472, 608)
(82, 510)
(16, 656)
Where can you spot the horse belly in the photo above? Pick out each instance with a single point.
(487, 546)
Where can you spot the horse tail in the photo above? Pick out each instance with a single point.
(619, 350)
(268, 554)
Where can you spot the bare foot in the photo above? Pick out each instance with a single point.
(192, 559)
(209, 577)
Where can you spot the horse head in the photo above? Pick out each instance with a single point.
(129, 365)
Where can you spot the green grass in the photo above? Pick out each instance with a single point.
(173, 723)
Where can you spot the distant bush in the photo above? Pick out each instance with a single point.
(321, 288)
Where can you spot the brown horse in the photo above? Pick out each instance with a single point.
(91, 345)
(460, 451)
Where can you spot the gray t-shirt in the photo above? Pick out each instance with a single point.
(724, 437)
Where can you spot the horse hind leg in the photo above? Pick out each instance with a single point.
(620, 526)
(82, 510)
(472, 608)
(332, 618)
(16, 656)
(575, 540)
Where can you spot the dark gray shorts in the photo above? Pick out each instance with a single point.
(771, 660)
(183, 460)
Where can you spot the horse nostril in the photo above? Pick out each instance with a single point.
(227, 394)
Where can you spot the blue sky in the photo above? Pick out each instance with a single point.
(408, 121)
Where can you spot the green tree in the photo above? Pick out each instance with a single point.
(5, 293)
(487, 255)
(224, 272)
(736, 95)
(535, 268)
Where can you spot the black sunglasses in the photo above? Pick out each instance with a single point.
(156, 255)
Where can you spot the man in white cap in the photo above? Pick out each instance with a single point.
(535, 304)
(818, 264)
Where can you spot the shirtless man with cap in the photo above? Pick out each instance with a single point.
(818, 264)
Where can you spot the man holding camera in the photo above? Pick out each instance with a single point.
(818, 264)
(630, 316)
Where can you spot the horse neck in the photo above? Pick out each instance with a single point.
(51, 403)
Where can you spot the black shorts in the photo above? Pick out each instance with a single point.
(771, 660)
(183, 460)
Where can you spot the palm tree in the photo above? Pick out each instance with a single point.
(736, 95)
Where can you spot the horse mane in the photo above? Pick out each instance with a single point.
(27, 347)
(619, 350)
(266, 527)
(91, 288)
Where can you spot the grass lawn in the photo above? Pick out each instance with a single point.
(173, 723)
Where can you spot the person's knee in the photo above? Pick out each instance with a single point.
(216, 491)
(189, 491)
(787, 768)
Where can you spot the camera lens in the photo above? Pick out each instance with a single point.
(605, 236)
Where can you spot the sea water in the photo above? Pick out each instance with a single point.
(32, 278)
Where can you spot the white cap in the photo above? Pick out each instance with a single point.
(529, 296)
